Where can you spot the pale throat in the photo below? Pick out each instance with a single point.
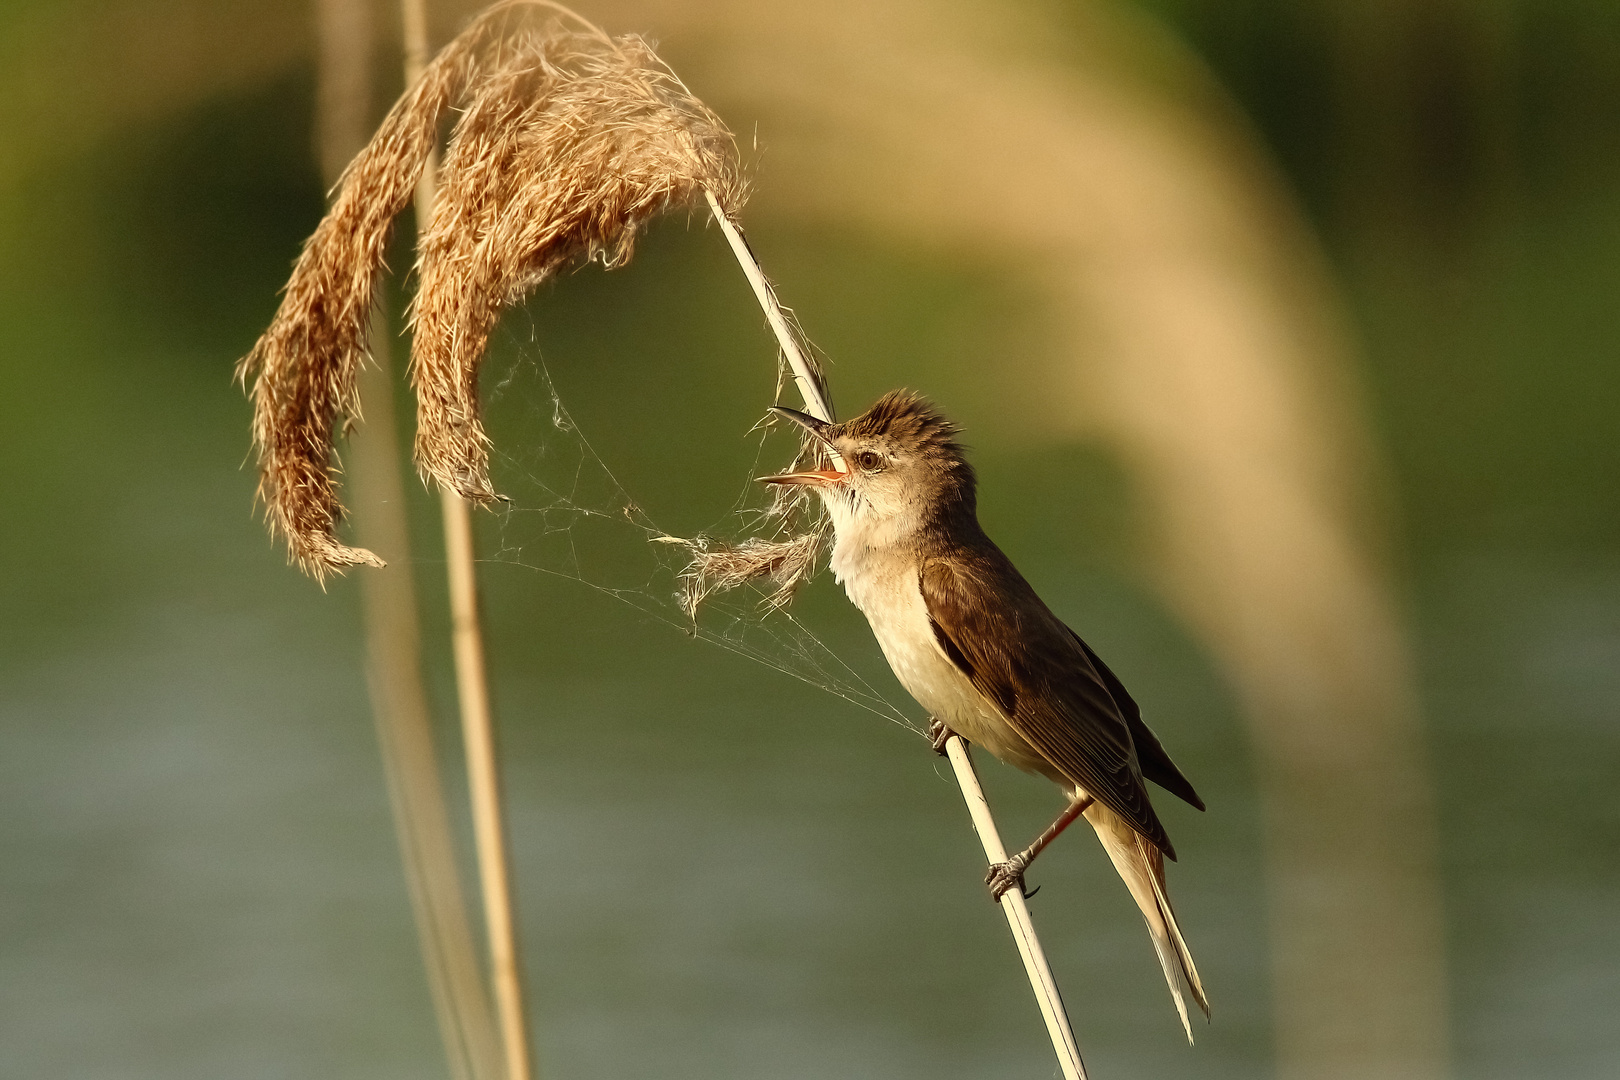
(869, 542)
(877, 559)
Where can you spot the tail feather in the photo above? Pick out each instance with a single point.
(1141, 865)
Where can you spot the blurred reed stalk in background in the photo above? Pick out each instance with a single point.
(1199, 339)
(566, 142)
(467, 646)
(393, 650)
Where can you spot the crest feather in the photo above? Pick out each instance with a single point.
(910, 418)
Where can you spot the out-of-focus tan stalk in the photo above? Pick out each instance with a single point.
(393, 658)
(483, 779)
(472, 684)
(1197, 336)
(388, 602)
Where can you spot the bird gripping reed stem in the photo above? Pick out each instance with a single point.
(813, 390)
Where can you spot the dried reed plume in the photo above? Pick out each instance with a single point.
(567, 142)
(720, 567)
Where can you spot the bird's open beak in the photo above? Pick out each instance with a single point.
(808, 477)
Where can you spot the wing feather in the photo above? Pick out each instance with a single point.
(1150, 752)
(1022, 658)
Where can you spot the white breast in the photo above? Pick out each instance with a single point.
(885, 584)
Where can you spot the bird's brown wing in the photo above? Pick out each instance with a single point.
(1022, 658)
(1150, 752)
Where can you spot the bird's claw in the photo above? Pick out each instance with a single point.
(1002, 876)
(938, 736)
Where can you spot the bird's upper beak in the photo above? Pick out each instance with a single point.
(810, 477)
(819, 428)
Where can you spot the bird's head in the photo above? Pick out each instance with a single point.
(901, 468)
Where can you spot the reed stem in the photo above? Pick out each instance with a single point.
(483, 781)
(1016, 909)
(399, 699)
(472, 685)
(405, 733)
(812, 387)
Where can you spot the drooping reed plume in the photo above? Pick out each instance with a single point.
(566, 143)
(718, 567)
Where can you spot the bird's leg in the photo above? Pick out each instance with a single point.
(938, 736)
(1004, 875)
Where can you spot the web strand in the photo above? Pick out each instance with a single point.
(565, 485)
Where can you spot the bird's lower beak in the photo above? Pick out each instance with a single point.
(809, 478)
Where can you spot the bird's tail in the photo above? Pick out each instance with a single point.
(1140, 863)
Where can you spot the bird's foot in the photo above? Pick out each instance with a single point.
(938, 736)
(1004, 875)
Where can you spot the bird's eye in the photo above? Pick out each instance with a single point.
(869, 461)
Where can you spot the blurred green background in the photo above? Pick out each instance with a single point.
(723, 872)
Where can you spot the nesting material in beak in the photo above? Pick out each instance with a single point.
(718, 567)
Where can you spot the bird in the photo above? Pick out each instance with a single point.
(970, 640)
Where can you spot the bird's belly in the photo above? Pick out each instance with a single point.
(894, 606)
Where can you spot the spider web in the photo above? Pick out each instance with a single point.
(566, 514)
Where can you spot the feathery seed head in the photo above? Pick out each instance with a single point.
(567, 142)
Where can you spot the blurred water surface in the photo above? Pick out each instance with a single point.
(724, 872)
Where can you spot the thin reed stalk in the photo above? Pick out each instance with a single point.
(389, 613)
(484, 786)
(404, 730)
(565, 143)
(472, 681)
(1019, 921)
(812, 386)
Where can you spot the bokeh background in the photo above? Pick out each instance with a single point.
(1284, 334)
